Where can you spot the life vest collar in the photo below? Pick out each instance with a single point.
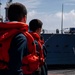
(12, 25)
(9, 28)
(35, 35)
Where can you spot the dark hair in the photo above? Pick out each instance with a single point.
(16, 11)
(35, 24)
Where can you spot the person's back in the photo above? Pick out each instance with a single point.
(44, 68)
(35, 26)
(15, 42)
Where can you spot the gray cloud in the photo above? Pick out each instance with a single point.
(30, 4)
(53, 21)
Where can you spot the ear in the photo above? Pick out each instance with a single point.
(38, 31)
(24, 19)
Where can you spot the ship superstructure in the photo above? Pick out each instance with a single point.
(6, 9)
(1, 17)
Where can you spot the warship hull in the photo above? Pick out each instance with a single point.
(60, 50)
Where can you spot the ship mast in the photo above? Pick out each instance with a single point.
(0, 7)
(62, 21)
(1, 18)
(6, 9)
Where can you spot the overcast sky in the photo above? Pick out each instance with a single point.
(49, 12)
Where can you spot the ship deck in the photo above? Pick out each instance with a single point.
(62, 72)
